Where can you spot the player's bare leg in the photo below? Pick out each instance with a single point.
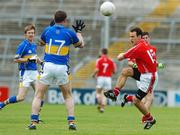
(67, 94)
(35, 86)
(147, 100)
(101, 100)
(36, 104)
(147, 118)
(126, 72)
(14, 99)
(104, 102)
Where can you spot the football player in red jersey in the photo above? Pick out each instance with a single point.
(145, 57)
(105, 68)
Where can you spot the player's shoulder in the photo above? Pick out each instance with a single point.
(22, 43)
(98, 59)
(69, 30)
(47, 28)
(152, 47)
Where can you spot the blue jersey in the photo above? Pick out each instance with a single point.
(58, 40)
(26, 49)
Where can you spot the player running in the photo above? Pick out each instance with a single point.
(145, 58)
(26, 57)
(105, 67)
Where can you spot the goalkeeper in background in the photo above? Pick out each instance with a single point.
(26, 57)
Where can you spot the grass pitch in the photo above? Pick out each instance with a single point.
(14, 120)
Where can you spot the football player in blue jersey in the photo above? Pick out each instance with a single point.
(26, 57)
(57, 40)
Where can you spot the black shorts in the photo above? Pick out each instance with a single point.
(136, 74)
(140, 94)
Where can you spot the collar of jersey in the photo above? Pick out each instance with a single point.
(27, 41)
(141, 40)
(59, 25)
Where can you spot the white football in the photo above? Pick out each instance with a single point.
(107, 8)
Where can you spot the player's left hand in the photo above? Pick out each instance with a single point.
(79, 26)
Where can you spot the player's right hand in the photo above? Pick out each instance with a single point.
(79, 26)
(33, 59)
(134, 65)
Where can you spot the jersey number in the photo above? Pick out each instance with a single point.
(58, 49)
(105, 66)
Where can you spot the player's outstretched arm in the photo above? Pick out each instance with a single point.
(78, 27)
(120, 57)
(81, 40)
(18, 59)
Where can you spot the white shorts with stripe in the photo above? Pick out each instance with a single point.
(104, 83)
(27, 77)
(148, 82)
(54, 74)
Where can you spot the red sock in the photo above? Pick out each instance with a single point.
(129, 98)
(116, 91)
(148, 116)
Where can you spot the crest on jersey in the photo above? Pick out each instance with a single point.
(29, 51)
(57, 31)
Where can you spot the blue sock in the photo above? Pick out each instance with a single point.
(13, 99)
(34, 118)
(71, 119)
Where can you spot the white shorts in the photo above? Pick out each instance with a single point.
(27, 77)
(54, 73)
(103, 83)
(148, 82)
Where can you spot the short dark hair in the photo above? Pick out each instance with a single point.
(137, 30)
(145, 33)
(60, 16)
(104, 51)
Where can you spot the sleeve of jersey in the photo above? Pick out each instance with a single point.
(19, 51)
(43, 36)
(132, 53)
(97, 63)
(74, 38)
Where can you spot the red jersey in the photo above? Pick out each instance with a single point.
(105, 66)
(144, 55)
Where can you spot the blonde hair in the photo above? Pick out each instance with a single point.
(29, 27)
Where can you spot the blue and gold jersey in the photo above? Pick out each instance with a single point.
(26, 49)
(58, 40)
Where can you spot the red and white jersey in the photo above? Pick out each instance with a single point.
(144, 55)
(105, 66)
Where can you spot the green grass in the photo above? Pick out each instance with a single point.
(14, 120)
